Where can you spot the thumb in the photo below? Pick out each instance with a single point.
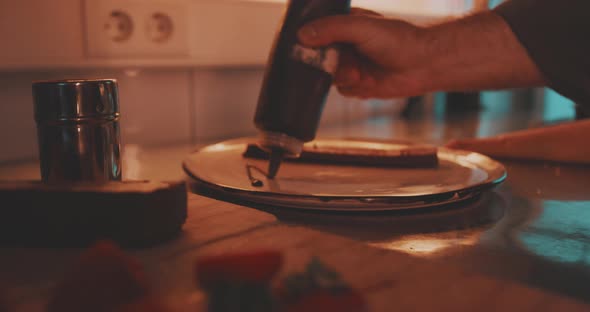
(350, 29)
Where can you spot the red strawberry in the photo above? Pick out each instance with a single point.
(318, 288)
(102, 279)
(250, 267)
(325, 300)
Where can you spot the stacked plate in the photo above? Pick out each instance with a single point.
(460, 175)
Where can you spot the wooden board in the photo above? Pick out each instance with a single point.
(131, 213)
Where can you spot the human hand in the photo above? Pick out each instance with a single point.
(388, 58)
(383, 58)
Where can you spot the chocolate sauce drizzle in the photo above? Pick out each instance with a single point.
(255, 182)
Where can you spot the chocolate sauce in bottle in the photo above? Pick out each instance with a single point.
(296, 83)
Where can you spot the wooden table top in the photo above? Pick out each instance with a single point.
(522, 249)
(388, 279)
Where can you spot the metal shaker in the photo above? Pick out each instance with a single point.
(78, 130)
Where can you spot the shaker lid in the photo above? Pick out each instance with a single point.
(75, 99)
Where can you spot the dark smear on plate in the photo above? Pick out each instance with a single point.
(255, 182)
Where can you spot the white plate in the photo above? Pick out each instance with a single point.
(459, 176)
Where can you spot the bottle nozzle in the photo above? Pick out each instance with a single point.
(276, 157)
(279, 145)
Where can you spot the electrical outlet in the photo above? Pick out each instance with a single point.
(137, 28)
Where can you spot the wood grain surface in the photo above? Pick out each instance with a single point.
(389, 280)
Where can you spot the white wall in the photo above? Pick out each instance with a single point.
(59, 34)
(55, 35)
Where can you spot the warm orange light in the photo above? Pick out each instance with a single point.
(429, 244)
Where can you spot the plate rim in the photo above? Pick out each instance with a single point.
(489, 183)
(334, 205)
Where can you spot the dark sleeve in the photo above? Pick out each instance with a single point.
(556, 34)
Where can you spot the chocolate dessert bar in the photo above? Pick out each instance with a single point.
(360, 153)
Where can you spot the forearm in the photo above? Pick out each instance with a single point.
(563, 143)
(478, 52)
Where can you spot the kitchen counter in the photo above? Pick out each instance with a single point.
(534, 230)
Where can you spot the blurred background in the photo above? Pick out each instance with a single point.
(189, 72)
